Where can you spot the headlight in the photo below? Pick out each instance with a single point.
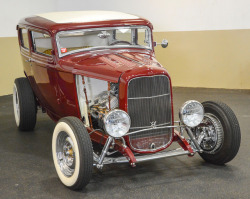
(117, 123)
(191, 113)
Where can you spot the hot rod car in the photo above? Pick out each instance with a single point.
(95, 74)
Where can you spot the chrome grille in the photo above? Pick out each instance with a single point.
(149, 105)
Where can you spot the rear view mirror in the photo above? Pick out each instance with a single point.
(163, 44)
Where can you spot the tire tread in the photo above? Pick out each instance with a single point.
(233, 139)
(27, 103)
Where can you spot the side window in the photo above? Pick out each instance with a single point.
(143, 37)
(24, 38)
(41, 43)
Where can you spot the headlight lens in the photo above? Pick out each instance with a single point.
(191, 113)
(117, 123)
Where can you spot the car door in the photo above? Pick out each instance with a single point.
(23, 35)
(43, 70)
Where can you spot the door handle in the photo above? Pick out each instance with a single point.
(28, 60)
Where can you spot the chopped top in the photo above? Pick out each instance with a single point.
(85, 16)
(59, 21)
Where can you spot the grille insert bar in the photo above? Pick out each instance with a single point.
(148, 97)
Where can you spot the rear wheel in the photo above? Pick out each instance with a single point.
(72, 153)
(24, 105)
(219, 133)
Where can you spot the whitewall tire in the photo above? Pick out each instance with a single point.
(24, 105)
(72, 153)
(16, 105)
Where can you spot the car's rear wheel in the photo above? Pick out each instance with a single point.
(24, 105)
(72, 153)
(219, 133)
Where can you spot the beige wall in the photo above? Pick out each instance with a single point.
(10, 64)
(208, 40)
(174, 15)
(211, 59)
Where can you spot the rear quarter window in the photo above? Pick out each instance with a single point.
(24, 38)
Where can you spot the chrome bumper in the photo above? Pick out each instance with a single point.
(142, 158)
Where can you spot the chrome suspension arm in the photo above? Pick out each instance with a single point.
(193, 139)
(104, 152)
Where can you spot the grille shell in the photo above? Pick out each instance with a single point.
(149, 104)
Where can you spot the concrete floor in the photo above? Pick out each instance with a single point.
(27, 170)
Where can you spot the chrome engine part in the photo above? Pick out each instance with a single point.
(103, 103)
(99, 98)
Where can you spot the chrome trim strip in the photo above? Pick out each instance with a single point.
(149, 97)
(130, 59)
(25, 55)
(172, 153)
(150, 126)
(167, 127)
(142, 158)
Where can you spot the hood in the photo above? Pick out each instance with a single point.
(110, 67)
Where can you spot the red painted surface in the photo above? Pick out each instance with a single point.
(53, 78)
(107, 64)
(182, 142)
(128, 154)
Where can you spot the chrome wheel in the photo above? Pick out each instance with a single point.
(209, 133)
(219, 133)
(65, 154)
(16, 105)
(72, 153)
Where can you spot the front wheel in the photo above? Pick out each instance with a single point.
(72, 153)
(218, 134)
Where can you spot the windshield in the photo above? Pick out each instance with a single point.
(69, 42)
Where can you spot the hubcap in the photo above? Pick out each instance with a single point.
(16, 105)
(65, 154)
(209, 133)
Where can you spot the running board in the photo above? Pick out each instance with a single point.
(142, 158)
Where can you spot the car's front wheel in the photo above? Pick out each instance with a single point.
(219, 133)
(72, 153)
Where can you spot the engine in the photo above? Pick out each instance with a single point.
(102, 103)
(101, 99)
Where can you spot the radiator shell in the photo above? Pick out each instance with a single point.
(149, 105)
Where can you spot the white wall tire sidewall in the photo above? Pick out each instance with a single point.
(16, 113)
(67, 181)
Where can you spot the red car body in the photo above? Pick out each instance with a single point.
(53, 79)
(105, 89)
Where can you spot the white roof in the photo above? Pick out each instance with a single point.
(85, 16)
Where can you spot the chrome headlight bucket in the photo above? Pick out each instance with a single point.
(191, 113)
(117, 123)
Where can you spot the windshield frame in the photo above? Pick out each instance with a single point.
(102, 47)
